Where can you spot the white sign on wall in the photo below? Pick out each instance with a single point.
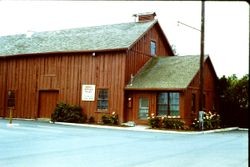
(88, 92)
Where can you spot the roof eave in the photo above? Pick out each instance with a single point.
(70, 51)
(156, 89)
(207, 58)
(213, 69)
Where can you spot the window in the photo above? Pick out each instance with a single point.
(143, 108)
(163, 104)
(174, 104)
(168, 104)
(153, 48)
(102, 101)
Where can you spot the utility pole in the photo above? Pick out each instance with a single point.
(201, 83)
(201, 97)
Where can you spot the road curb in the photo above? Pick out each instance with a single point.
(146, 129)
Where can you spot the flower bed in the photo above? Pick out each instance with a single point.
(165, 122)
(210, 121)
(110, 119)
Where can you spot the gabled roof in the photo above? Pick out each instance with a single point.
(98, 38)
(175, 73)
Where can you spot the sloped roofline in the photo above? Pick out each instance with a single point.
(213, 69)
(113, 47)
(156, 22)
(69, 51)
(177, 87)
(207, 58)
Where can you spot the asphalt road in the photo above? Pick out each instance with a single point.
(36, 144)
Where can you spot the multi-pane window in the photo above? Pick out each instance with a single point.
(102, 101)
(153, 48)
(168, 104)
(162, 104)
(174, 104)
(143, 108)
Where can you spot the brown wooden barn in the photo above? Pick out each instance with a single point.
(126, 68)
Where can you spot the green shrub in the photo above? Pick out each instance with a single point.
(170, 123)
(211, 121)
(110, 119)
(195, 124)
(165, 122)
(114, 119)
(154, 122)
(105, 119)
(68, 113)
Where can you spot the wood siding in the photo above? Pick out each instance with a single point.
(139, 54)
(65, 73)
(132, 112)
(3, 84)
(185, 101)
(210, 82)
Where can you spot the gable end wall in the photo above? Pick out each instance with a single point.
(210, 86)
(139, 53)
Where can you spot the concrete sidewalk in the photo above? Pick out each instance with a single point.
(144, 128)
(139, 128)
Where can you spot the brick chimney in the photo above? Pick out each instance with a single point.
(144, 17)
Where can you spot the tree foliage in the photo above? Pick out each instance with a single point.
(234, 99)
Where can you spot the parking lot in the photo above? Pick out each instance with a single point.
(39, 144)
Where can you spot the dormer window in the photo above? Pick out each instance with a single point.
(153, 48)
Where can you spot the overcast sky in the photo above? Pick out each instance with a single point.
(226, 24)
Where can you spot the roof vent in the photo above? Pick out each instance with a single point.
(144, 17)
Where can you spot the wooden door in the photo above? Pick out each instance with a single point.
(47, 103)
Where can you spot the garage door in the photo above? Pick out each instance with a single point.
(47, 103)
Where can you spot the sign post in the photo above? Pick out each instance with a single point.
(10, 116)
(11, 103)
